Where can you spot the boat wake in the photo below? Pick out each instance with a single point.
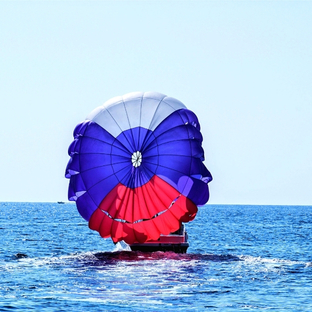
(122, 254)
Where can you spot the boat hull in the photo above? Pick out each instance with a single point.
(148, 247)
(176, 242)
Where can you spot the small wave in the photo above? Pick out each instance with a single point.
(269, 260)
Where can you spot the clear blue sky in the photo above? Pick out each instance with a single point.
(244, 67)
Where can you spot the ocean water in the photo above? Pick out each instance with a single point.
(241, 258)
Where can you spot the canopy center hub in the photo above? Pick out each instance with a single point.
(136, 159)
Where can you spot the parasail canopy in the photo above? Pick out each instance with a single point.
(136, 167)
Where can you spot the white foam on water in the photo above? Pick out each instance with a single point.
(122, 246)
(255, 260)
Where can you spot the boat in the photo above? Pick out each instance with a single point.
(176, 242)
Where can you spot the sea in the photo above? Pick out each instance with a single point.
(241, 258)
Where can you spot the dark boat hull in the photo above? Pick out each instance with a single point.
(146, 247)
(176, 242)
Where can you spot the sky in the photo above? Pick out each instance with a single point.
(243, 67)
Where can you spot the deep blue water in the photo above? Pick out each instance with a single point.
(241, 258)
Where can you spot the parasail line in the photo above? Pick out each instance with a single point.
(151, 189)
(146, 160)
(149, 147)
(124, 200)
(155, 111)
(176, 128)
(148, 207)
(164, 193)
(142, 205)
(190, 145)
(140, 121)
(114, 173)
(146, 134)
(99, 153)
(141, 220)
(125, 107)
(121, 131)
(125, 150)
